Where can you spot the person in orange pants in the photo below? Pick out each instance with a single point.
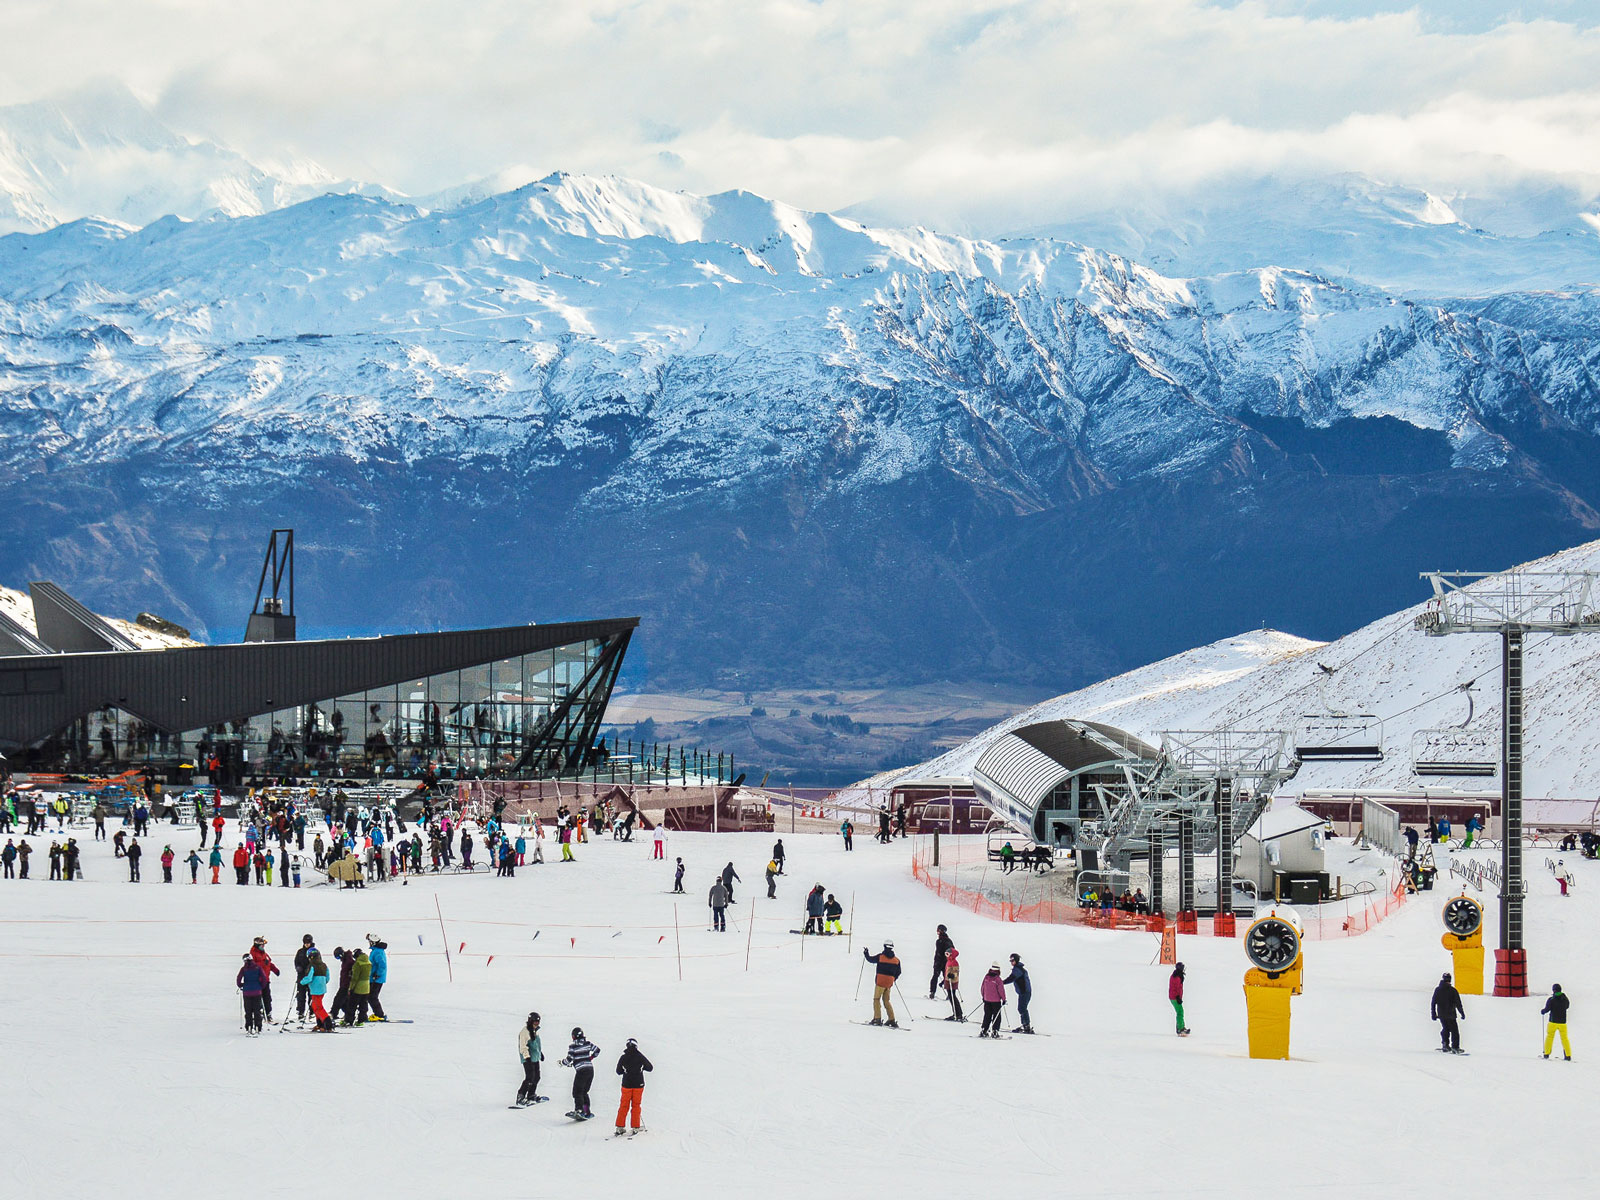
(631, 1066)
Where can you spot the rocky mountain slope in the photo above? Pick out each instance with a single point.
(803, 449)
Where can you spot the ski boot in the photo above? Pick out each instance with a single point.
(875, 1021)
(892, 1024)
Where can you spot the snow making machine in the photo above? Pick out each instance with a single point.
(1463, 937)
(1274, 945)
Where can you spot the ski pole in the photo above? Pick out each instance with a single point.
(909, 1018)
(859, 975)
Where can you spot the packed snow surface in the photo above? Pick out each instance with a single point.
(127, 1073)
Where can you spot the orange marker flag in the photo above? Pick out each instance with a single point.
(1169, 944)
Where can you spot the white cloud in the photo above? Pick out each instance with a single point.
(955, 111)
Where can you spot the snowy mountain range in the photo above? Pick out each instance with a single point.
(800, 447)
(1425, 692)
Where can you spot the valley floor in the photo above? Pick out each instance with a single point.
(126, 1074)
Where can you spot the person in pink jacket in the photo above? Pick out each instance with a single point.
(993, 992)
(1175, 994)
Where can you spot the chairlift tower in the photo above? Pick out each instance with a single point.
(1512, 604)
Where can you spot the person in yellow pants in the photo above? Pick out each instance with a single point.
(1556, 1009)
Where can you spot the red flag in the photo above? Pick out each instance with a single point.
(491, 959)
(574, 942)
(463, 947)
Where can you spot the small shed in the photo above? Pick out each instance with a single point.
(1283, 854)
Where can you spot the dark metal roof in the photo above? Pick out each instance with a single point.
(17, 638)
(1079, 744)
(192, 687)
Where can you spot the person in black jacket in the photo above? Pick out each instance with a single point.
(1446, 1007)
(941, 947)
(631, 1066)
(1556, 1008)
(728, 877)
(888, 970)
(302, 968)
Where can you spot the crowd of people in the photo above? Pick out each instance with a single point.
(357, 993)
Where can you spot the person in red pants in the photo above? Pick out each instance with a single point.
(631, 1066)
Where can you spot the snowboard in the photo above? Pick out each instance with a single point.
(870, 1025)
(578, 1116)
(530, 1103)
(1036, 1033)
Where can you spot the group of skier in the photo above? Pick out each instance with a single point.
(1446, 1008)
(362, 974)
(580, 1056)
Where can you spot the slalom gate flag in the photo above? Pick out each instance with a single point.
(1169, 944)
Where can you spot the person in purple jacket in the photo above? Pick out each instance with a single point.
(251, 980)
(993, 992)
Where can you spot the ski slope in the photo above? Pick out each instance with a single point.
(126, 1072)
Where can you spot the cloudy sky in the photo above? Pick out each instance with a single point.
(946, 111)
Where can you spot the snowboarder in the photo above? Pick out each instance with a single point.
(378, 953)
(772, 879)
(778, 855)
(728, 877)
(677, 879)
(1556, 1009)
(718, 900)
(580, 1057)
(631, 1066)
(952, 984)
(1175, 995)
(993, 992)
(888, 970)
(1445, 1009)
(250, 980)
(1023, 987)
(833, 911)
(815, 907)
(531, 1053)
(942, 945)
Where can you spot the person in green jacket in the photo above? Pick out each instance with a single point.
(361, 985)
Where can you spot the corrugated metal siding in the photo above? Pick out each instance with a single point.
(1020, 769)
(191, 687)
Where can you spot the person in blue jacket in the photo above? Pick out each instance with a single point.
(251, 980)
(378, 955)
(1022, 988)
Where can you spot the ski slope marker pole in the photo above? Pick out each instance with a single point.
(444, 938)
(849, 937)
(749, 934)
(677, 940)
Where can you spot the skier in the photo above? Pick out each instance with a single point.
(1556, 1009)
(315, 984)
(993, 991)
(631, 1066)
(772, 879)
(134, 853)
(660, 839)
(883, 826)
(718, 900)
(1175, 995)
(531, 1053)
(952, 984)
(1562, 878)
(848, 832)
(580, 1056)
(728, 877)
(342, 1002)
(258, 951)
(816, 906)
(167, 857)
(378, 953)
(194, 866)
(677, 879)
(1023, 987)
(302, 964)
(942, 945)
(833, 911)
(883, 982)
(241, 865)
(778, 855)
(360, 986)
(1445, 1008)
(250, 980)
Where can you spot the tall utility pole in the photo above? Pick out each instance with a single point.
(1512, 604)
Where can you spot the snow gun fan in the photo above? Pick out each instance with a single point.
(1273, 946)
(1463, 922)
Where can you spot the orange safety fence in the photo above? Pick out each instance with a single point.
(1348, 922)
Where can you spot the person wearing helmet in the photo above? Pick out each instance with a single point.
(378, 952)
(1022, 986)
(315, 983)
(993, 993)
(580, 1057)
(251, 980)
(1175, 997)
(888, 970)
(258, 951)
(530, 1051)
(631, 1066)
(1445, 1008)
(952, 984)
(942, 945)
(1556, 1009)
